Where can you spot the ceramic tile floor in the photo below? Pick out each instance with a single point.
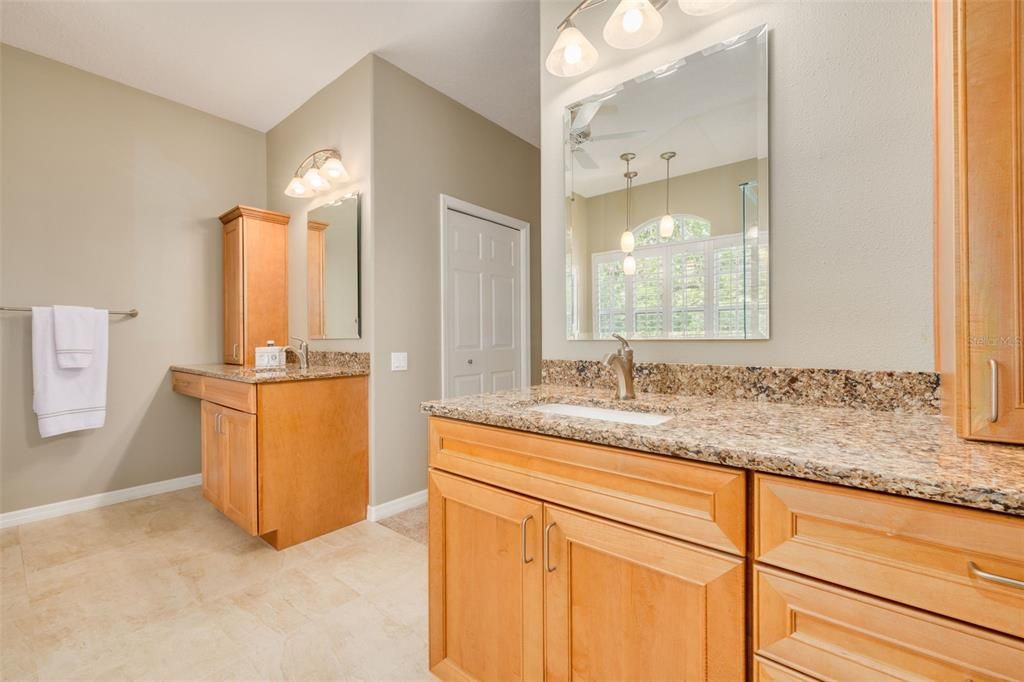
(165, 588)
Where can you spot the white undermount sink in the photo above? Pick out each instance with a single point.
(621, 416)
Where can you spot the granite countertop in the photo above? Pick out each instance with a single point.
(250, 375)
(915, 455)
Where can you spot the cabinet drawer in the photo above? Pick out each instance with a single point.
(187, 384)
(236, 394)
(910, 551)
(832, 633)
(697, 502)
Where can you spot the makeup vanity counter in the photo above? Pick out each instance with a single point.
(600, 534)
(284, 452)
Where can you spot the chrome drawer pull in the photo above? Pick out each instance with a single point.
(522, 535)
(547, 547)
(994, 367)
(976, 572)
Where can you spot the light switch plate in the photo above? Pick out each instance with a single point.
(399, 362)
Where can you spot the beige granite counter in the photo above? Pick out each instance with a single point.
(250, 375)
(915, 455)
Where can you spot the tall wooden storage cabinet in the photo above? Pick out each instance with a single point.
(979, 205)
(255, 282)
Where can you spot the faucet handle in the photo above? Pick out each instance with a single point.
(625, 344)
(302, 342)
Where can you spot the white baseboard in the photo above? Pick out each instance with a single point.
(382, 511)
(49, 511)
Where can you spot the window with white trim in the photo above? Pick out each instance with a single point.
(689, 285)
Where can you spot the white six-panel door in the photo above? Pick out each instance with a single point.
(483, 288)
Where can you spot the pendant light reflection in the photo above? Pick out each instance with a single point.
(667, 225)
(572, 54)
(634, 23)
(628, 241)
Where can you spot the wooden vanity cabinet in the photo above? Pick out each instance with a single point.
(255, 259)
(287, 461)
(529, 588)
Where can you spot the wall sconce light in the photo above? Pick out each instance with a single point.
(317, 173)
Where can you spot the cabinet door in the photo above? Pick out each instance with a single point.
(625, 604)
(233, 293)
(214, 467)
(238, 439)
(990, 291)
(486, 582)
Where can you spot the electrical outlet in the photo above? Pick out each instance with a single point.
(399, 362)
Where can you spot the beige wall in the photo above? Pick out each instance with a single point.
(110, 198)
(424, 145)
(403, 144)
(338, 117)
(851, 168)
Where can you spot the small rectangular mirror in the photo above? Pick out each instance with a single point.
(687, 256)
(333, 260)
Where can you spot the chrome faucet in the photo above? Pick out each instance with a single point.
(621, 361)
(302, 351)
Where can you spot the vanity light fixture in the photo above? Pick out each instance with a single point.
(667, 225)
(634, 23)
(628, 241)
(702, 8)
(316, 173)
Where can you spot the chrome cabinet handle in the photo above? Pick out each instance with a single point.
(976, 572)
(547, 547)
(234, 351)
(994, 369)
(216, 423)
(522, 537)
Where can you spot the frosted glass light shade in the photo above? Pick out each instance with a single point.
(314, 180)
(571, 55)
(629, 265)
(297, 188)
(633, 23)
(701, 8)
(627, 242)
(667, 226)
(334, 170)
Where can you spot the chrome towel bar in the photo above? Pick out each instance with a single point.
(27, 309)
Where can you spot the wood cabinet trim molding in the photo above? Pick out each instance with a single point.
(251, 212)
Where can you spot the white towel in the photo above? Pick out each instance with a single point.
(73, 331)
(67, 399)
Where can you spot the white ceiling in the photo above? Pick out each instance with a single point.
(706, 112)
(254, 62)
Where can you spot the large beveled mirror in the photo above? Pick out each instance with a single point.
(667, 200)
(333, 296)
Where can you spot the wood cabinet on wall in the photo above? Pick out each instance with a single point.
(987, 370)
(255, 255)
